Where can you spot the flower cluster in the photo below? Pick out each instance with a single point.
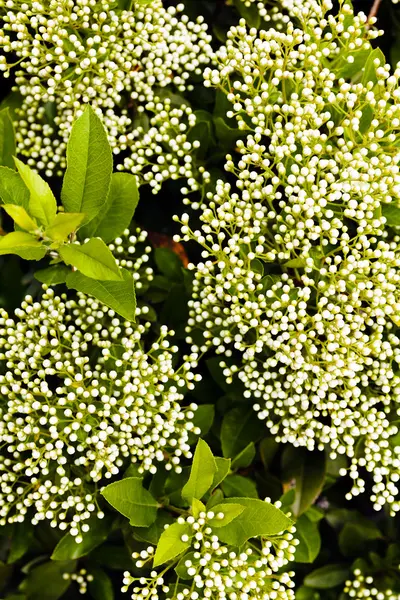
(85, 394)
(218, 570)
(123, 62)
(82, 578)
(363, 586)
(299, 287)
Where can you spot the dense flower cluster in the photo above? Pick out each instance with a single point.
(84, 394)
(217, 570)
(363, 586)
(123, 62)
(300, 283)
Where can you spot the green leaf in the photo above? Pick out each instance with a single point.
(258, 518)
(204, 417)
(369, 72)
(310, 540)
(153, 533)
(46, 582)
(223, 468)
(168, 263)
(201, 474)
(237, 485)
(296, 263)
(132, 500)
(93, 259)
(354, 536)
(89, 167)
(326, 577)
(118, 211)
(181, 569)
(101, 587)
(171, 545)
(250, 13)
(392, 214)
(117, 295)
(308, 471)
(20, 217)
(22, 537)
(240, 426)
(7, 139)
(245, 457)
(68, 549)
(197, 507)
(12, 188)
(125, 4)
(53, 275)
(23, 244)
(63, 225)
(347, 69)
(42, 203)
(230, 512)
(268, 448)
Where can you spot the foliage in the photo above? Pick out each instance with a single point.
(212, 414)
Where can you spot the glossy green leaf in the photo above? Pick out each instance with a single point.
(326, 577)
(197, 507)
(117, 295)
(171, 544)
(240, 426)
(68, 549)
(168, 263)
(201, 474)
(63, 225)
(132, 500)
(258, 518)
(42, 203)
(223, 468)
(204, 417)
(237, 485)
(89, 167)
(22, 244)
(307, 532)
(153, 533)
(118, 211)
(245, 457)
(21, 540)
(307, 469)
(12, 188)
(369, 73)
(53, 275)
(46, 582)
(20, 217)
(392, 214)
(101, 587)
(230, 512)
(354, 536)
(93, 259)
(7, 139)
(268, 449)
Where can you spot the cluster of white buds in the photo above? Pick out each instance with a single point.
(299, 284)
(364, 586)
(82, 578)
(84, 395)
(124, 63)
(216, 570)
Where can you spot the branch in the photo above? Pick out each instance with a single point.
(374, 9)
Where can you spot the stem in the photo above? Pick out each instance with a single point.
(374, 9)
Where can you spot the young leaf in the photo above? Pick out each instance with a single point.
(223, 468)
(117, 295)
(258, 518)
(94, 259)
(63, 225)
(132, 500)
(171, 544)
(230, 512)
(201, 474)
(327, 577)
(68, 549)
(20, 217)
(197, 507)
(12, 188)
(7, 139)
(89, 166)
(53, 275)
(42, 203)
(22, 244)
(118, 211)
(370, 68)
